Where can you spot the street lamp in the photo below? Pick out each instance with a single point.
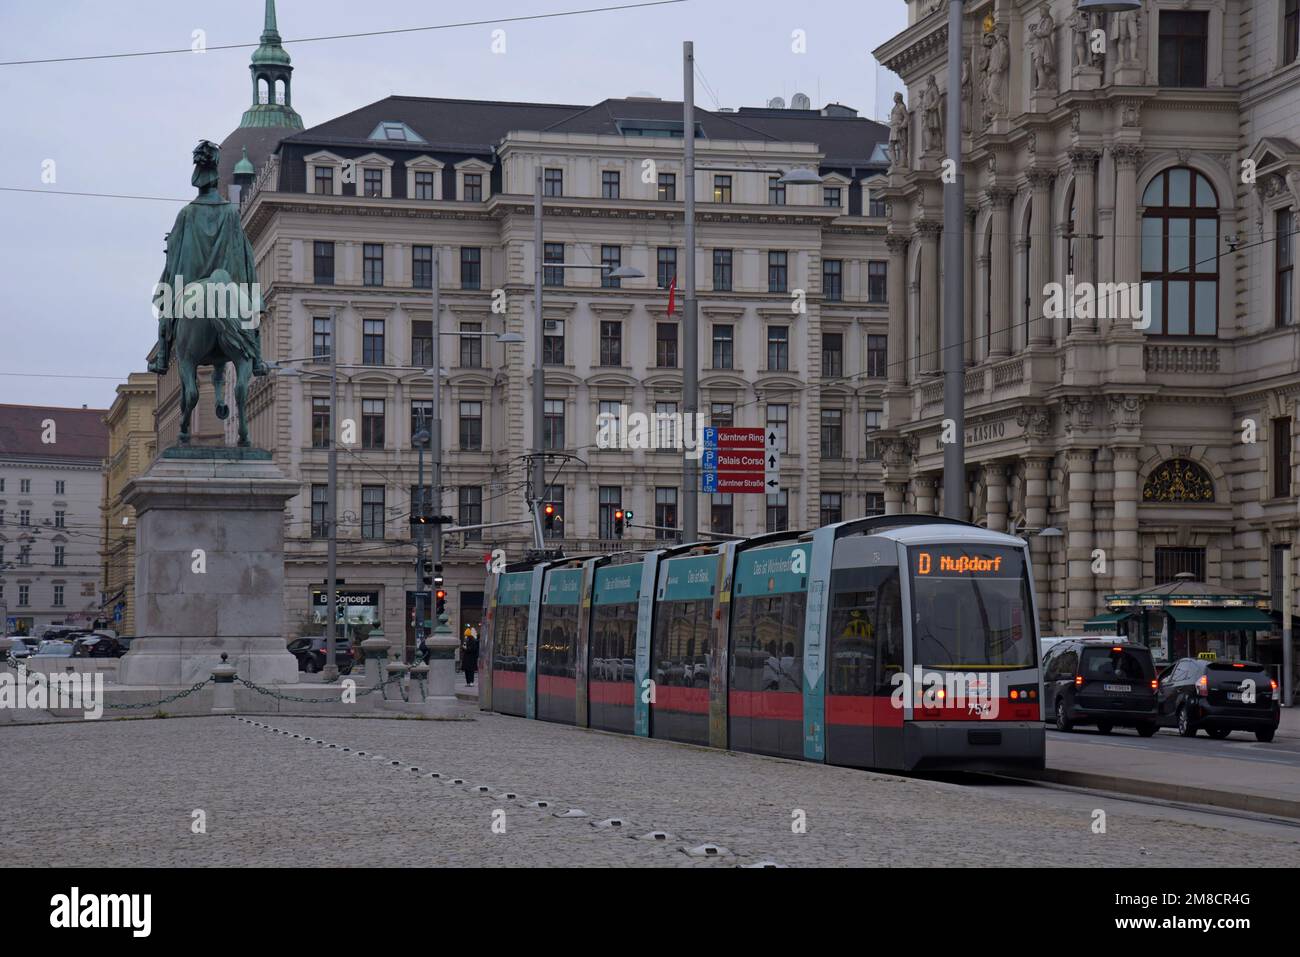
(801, 176)
(1109, 6)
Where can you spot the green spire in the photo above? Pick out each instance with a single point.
(272, 78)
(244, 167)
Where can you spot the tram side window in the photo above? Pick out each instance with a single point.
(866, 630)
(559, 638)
(511, 638)
(682, 644)
(767, 646)
(613, 650)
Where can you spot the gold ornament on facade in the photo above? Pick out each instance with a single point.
(1178, 480)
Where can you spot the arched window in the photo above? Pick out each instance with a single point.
(1180, 253)
(1178, 480)
(1025, 253)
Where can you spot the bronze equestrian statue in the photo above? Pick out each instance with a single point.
(208, 301)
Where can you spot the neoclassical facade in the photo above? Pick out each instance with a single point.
(1165, 157)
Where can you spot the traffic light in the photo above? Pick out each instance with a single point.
(440, 602)
(548, 513)
(426, 572)
(618, 523)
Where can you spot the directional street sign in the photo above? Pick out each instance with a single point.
(734, 461)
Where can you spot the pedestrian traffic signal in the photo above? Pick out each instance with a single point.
(426, 572)
(548, 513)
(440, 602)
(618, 523)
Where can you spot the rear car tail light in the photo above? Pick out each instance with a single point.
(1273, 682)
(1154, 684)
(1203, 686)
(1078, 680)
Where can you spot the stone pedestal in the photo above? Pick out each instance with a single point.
(1130, 73)
(1087, 78)
(209, 568)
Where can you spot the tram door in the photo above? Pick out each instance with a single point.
(864, 637)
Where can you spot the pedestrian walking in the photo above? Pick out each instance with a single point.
(469, 655)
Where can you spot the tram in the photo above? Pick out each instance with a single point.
(902, 642)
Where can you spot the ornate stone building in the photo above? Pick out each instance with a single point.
(1156, 448)
(132, 446)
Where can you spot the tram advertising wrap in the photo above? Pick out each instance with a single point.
(898, 642)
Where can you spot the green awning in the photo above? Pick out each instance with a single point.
(1107, 622)
(1220, 619)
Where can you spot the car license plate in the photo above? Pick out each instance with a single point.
(1234, 695)
(1117, 687)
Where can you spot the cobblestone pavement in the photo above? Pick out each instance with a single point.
(126, 792)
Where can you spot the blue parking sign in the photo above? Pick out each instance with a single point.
(708, 481)
(709, 459)
(710, 437)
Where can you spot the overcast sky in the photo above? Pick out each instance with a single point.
(76, 272)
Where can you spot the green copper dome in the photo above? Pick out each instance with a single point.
(244, 167)
(272, 81)
(270, 52)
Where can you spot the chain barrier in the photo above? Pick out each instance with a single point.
(167, 700)
(301, 700)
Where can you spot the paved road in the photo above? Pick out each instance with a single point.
(1236, 747)
(271, 799)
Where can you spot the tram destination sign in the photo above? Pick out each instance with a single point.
(740, 460)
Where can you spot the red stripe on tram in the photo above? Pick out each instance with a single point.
(509, 680)
(611, 692)
(781, 705)
(866, 711)
(692, 700)
(557, 686)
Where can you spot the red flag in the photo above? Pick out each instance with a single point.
(672, 295)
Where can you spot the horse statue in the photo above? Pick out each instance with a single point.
(208, 301)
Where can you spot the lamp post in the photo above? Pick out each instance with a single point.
(954, 285)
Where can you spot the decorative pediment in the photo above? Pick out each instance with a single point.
(1178, 480)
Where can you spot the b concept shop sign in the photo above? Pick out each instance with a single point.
(360, 607)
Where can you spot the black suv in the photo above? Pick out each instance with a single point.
(310, 653)
(1098, 681)
(1219, 696)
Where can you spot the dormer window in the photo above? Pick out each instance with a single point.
(393, 131)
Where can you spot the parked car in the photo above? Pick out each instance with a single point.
(54, 648)
(97, 646)
(310, 653)
(19, 648)
(1219, 696)
(1100, 682)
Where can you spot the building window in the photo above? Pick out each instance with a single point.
(59, 515)
(775, 191)
(23, 592)
(422, 343)
(778, 273)
(471, 345)
(611, 257)
(1183, 45)
(1171, 562)
(373, 258)
(876, 206)
(875, 504)
(832, 355)
(423, 184)
(1178, 480)
(877, 356)
(870, 450)
(471, 267)
(609, 184)
(471, 510)
(778, 421)
(778, 512)
(24, 486)
(665, 513)
(1281, 458)
(372, 511)
(832, 434)
(422, 267)
(372, 342)
(324, 180)
(832, 508)
(473, 187)
(320, 338)
(60, 487)
(553, 182)
(611, 343)
(323, 263)
(58, 595)
(723, 346)
(778, 348)
(722, 515)
(372, 423)
(722, 270)
(667, 265)
(320, 423)
(421, 417)
(666, 345)
(319, 511)
(555, 496)
(471, 426)
(831, 197)
(553, 424)
(24, 517)
(877, 281)
(610, 500)
(668, 187)
(665, 426)
(832, 279)
(58, 555)
(722, 189)
(1291, 31)
(553, 253)
(553, 342)
(374, 182)
(722, 415)
(1180, 253)
(24, 555)
(1283, 298)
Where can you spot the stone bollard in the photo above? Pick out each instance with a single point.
(375, 648)
(394, 669)
(420, 678)
(223, 687)
(440, 696)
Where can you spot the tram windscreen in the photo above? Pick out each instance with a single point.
(971, 607)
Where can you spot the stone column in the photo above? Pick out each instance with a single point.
(1000, 275)
(1036, 474)
(895, 497)
(928, 313)
(923, 488)
(995, 484)
(1081, 584)
(980, 341)
(971, 302)
(1040, 254)
(1126, 562)
(1128, 263)
(897, 292)
(1084, 163)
